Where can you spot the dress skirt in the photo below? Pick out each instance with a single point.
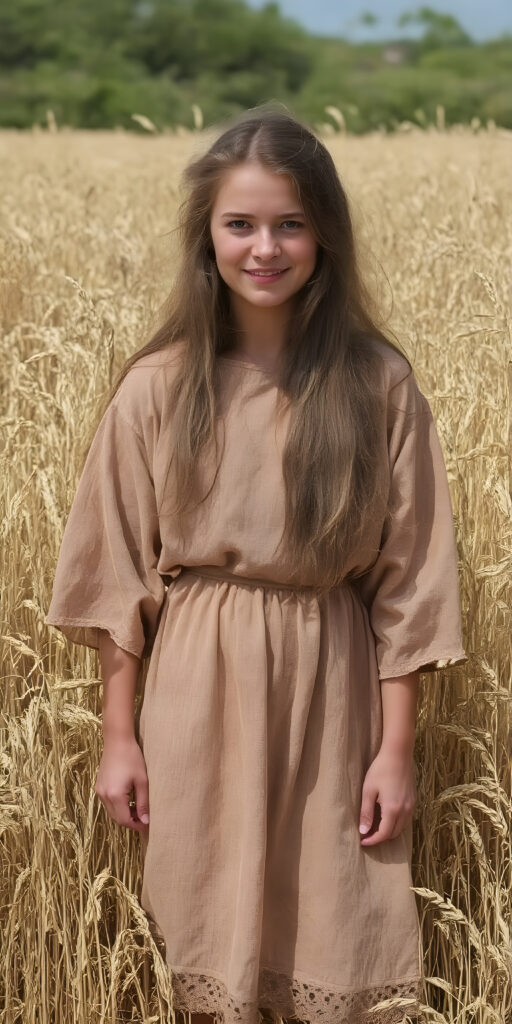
(257, 738)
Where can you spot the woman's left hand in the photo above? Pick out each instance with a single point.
(390, 781)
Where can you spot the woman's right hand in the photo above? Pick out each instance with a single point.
(122, 768)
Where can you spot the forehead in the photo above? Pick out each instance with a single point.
(257, 189)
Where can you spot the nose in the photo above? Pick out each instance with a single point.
(265, 246)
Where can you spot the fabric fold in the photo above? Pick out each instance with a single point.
(106, 576)
(412, 589)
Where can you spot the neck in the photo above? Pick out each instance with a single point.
(259, 334)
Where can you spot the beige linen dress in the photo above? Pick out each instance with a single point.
(262, 706)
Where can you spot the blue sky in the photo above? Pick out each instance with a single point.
(483, 19)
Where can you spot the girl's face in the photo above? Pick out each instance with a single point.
(258, 224)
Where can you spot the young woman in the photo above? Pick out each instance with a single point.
(264, 511)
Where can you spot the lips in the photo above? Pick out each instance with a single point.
(267, 273)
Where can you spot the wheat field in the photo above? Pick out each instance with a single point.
(87, 253)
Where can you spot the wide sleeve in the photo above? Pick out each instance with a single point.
(106, 576)
(412, 590)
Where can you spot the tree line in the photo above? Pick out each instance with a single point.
(194, 62)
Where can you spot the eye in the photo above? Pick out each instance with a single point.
(297, 223)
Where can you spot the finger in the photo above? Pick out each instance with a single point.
(402, 821)
(384, 830)
(367, 813)
(400, 824)
(119, 810)
(130, 818)
(141, 787)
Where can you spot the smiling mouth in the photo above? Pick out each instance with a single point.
(266, 273)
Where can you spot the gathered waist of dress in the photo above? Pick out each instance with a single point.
(223, 575)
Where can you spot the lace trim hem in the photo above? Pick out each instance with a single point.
(395, 1002)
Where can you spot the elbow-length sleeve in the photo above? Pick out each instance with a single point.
(106, 576)
(411, 591)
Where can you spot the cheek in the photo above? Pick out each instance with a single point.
(307, 251)
(229, 250)
(303, 247)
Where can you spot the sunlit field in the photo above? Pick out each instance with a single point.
(87, 255)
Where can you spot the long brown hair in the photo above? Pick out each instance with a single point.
(330, 373)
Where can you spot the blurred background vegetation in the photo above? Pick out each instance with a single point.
(94, 63)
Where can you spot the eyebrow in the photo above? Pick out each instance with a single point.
(250, 216)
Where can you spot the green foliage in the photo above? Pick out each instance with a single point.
(440, 30)
(96, 63)
(223, 36)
